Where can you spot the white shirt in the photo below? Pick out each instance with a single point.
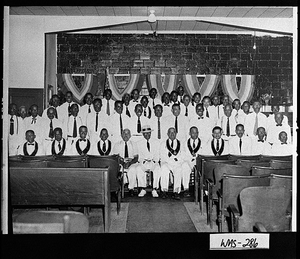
(63, 111)
(212, 114)
(207, 147)
(56, 123)
(94, 147)
(271, 120)
(111, 104)
(234, 148)
(48, 147)
(44, 114)
(163, 153)
(72, 150)
(114, 125)
(278, 149)
(153, 102)
(31, 148)
(84, 112)
(148, 112)
(119, 149)
(167, 110)
(242, 117)
(131, 106)
(103, 122)
(273, 133)
(182, 122)
(239, 116)
(204, 126)
(133, 122)
(144, 153)
(15, 124)
(250, 122)
(217, 110)
(69, 125)
(37, 126)
(164, 126)
(188, 154)
(222, 122)
(259, 148)
(191, 111)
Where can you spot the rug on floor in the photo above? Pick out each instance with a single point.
(155, 217)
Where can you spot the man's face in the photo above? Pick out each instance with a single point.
(206, 102)
(97, 105)
(174, 97)
(180, 90)
(225, 100)
(147, 135)
(283, 137)
(74, 110)
(166, 99)
(51, 113)
(88, 99)
(55, 101)
(107, 95)
(126, 99)
(158, 111)
(215, 100)
(246, 107)
(197, 98)
(13, 109)
(23, 112)
(227, 110)
(199, 110)
(239, 131)
(57, 135)
(237, 104)
(104, 135)
(144, 102)
(261, 133)
(194, 133)
(135, 95)
(217, 133)
(278, 118)
(176, 110)
(172, 133)
(138, 110)
(119, 108)
(69, 97)
(30, 137)
(256, 107)
(152, 93)
(126, 135)
(34, 111)
(186, 100)
(83, 132)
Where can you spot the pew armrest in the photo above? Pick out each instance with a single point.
(234, 216)
(260, 227)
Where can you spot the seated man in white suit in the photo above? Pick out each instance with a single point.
(31, 147)
(82, 145)
(128, 152)
(259, 144)
(172, 157)
(59, 146)
(217, 146)
(148, 160)
(282, 148)
(102, 147)
(240, 144)
(193, 148)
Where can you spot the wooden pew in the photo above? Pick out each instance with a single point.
(269, 158)
(261, 170)
(281, 164)
(236, 157)
(61, 187)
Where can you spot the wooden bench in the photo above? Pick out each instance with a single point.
(261, 170)
(61, 187)
(281, 164)
(269, 158)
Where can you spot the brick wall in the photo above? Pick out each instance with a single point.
(271, 61)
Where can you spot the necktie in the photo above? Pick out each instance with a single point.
(84, 140)
(96, 127)
(127, 112)
(176, 124)
(194, 144)
(283, 143)
(186, 111)
(104, 147)
(51, 130)
(145, 114)
(207, 114)
(89, 110)
(218, 145)
(11, 130)
(278, 124)
(126, 151)
(121, 124)
(74, 128)
(32, 144)
(56, 113)
(240, 145)
(172, 144)
(107, 108)
(228, 128)
(181, 99)
(153, 103)
(33, 120)
(59, 146)
(69, 110)
(158, 130)
(218, 112)
(148, 145)
(139, 126)
(199, 118)
(255, 125)
(261, 140)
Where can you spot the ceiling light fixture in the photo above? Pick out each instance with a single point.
(152, 17)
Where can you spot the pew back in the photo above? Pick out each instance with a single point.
(262, 170)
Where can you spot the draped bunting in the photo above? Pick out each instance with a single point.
(91, 84)
(230, 87)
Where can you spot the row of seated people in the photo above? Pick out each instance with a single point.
(182, 116)
(171, 155)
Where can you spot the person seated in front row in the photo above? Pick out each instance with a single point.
(271, 117)
(282, 148)
(59, 146)
(240, 144)
(128, 152)
(103, 147)
(31, 147)
(172, 160)
(167, 106)
(217, 146)
(259, 144)
(278, 126)
(148, 161)
(227, 122)
(153, 97)
(81, 146)
(193, 148)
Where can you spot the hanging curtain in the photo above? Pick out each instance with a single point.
(230, 87)
(135, 81)
(91, 84)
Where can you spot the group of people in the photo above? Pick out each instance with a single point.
(163, 135)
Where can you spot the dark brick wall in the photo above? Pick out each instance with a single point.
(271, 61)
